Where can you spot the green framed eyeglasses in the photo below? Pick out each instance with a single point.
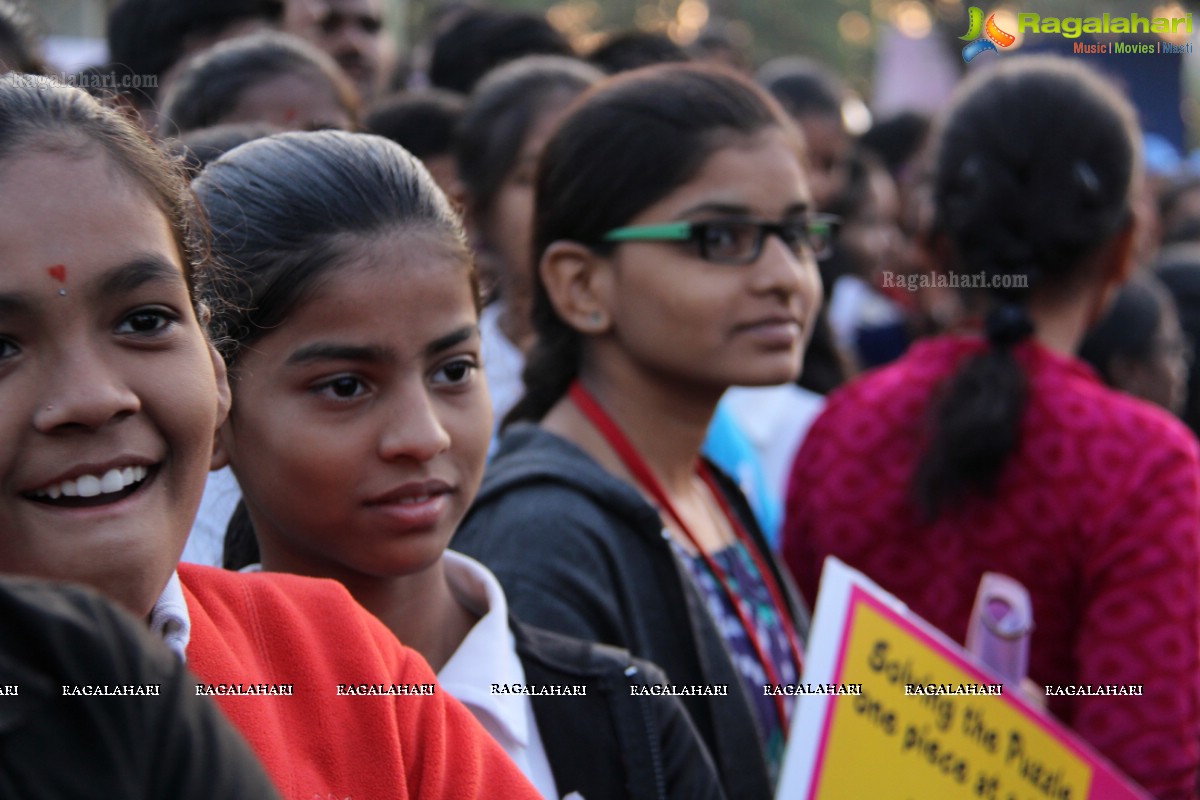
(738, 241)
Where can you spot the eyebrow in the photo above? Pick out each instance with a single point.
(137, 272)
(730, 209)
(334, 351)
(117, 281)
(14, 304)
(451, 339)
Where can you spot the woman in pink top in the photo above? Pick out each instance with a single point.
(1002, 452)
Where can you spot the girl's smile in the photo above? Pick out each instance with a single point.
(111, 393)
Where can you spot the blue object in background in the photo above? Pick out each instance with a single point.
(730, 449)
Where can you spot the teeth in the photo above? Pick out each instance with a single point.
(91, 486)
(412, 501)
(112, 481)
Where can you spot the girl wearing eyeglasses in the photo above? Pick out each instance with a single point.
(1001, 452)
(676, 248)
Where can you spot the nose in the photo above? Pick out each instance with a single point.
(783, 271)
(412, 427)
(83, 391)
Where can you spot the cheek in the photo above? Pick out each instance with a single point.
(470, 429)
(189, 398)
(812, 290)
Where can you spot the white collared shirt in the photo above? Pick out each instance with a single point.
(488, 655)
(169, 618)
(503, 364)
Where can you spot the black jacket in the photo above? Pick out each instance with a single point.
(639, 747)
(582, 553)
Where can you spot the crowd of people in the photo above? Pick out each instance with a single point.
(428, 412)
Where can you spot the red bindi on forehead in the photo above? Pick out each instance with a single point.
(58, 272)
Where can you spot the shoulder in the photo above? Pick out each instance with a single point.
(279, 615)
(884, 406)
(1117, 434)
(530, 456)
(274, 592)
(910, 377)
(567, 656)
(540, 482)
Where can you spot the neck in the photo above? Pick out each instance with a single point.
(665, 423)
(420, 609)
(1061, 326)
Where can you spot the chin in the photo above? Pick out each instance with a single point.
(136, 595)
(768, 376)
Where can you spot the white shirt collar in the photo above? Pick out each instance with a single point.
(488, 655)
(169, 618)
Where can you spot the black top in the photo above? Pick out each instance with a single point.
(582, 553)
(60, 746)
(637, 746)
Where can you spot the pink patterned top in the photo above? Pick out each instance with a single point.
(1097, 513)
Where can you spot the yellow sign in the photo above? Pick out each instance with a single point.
(928, 722)
(947, 741)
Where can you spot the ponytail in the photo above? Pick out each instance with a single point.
(1036, 161)
(976, 422)
(552, 365)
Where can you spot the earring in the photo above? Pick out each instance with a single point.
(596, 320)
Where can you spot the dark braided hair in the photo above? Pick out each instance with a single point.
(1035, 164)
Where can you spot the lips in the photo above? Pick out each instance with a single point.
(413, 506)
(93, 485)
(782, 331)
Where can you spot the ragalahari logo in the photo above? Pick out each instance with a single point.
(992, 35)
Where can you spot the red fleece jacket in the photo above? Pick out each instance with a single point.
(283, 629)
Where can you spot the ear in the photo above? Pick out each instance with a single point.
(220, 457)
(580, 285)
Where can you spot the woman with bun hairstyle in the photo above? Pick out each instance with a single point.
(1001, 452)
(676, 245)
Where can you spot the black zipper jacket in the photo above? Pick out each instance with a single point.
(582, 553)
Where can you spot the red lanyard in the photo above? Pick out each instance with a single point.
(640, 470)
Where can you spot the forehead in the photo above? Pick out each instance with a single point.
(76, 209)
(762, 173)
(358, 9)
(398, 286)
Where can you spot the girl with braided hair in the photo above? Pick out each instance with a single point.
(1002, 452)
